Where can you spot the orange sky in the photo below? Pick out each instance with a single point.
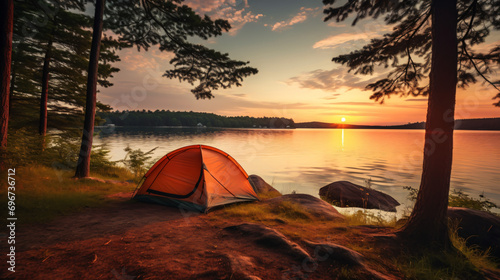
(292, 48)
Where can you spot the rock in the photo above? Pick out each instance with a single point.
(242, 266)
(325, 252)
(269, 238)
(347, 194)
(478, 228)
(341, 254)
(261, 187)
(312, 205)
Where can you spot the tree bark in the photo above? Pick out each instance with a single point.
(13, 73)
(83, 164)
(428, 221)
(6, 30)
(42, 129)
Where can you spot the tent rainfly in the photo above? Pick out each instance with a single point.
(196, 177)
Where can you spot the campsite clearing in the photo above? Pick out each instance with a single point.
(134, 240)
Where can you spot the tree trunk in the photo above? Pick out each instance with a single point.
(6, 30)
(13, 73)
(83, 164)
(42, 129)
(428, 221)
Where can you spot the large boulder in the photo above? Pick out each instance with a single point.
(478, 228)
(347, 194)
(261, 187)
(310, 204)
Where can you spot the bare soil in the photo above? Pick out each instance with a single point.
(132, 240)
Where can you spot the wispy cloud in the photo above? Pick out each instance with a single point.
(337, 40)
(236, 12)
(332, 96)
(330, 80)
(359, 33)
(416, 99)
(140, 61)
(298, 18)
(205, 6)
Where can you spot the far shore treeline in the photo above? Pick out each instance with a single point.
(179, 118)
(464, 124)
(185, 118)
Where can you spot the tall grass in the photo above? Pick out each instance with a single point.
(259, 212)
(474, 254)
(466, 262)
(369, 217)
(43, 193)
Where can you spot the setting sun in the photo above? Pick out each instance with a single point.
(342, 119)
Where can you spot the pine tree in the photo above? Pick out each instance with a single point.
(436, 40)
(6, 28)
(50, 61)
(83, 164)
(168, 24)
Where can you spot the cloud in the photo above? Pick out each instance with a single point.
(298, 18)
(133, 60)
(337, 40)
(331, 80)
(332, 96)
(360, 33)
(204, 6)
(416, 99)
(236, 12)
(174, 97)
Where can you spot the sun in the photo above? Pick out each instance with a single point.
(342, 119)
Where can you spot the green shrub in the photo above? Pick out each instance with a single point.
(458, 198)
(137, 161)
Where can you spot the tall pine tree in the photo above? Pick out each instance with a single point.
(6, 29)
(436, 40)
(168, 24)
(50, 62)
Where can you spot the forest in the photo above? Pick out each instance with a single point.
(178, 118)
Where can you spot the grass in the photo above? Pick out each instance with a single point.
(474, 254)
(434, 266)
(43, 193)
(367, 217)
(463, 263)
(466, 262)
(259, 212)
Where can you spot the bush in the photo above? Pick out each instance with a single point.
(23, 148)
(137, 161)
(458, 198)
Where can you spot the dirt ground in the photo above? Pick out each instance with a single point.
(132, 240)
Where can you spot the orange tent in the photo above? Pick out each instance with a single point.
(196, 177)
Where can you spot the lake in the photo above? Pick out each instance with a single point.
(304, 160)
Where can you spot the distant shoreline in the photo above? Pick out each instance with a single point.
(492, 124)
(464, 124)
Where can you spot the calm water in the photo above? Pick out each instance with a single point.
(304, 160)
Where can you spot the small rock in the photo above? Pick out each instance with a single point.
(261, 187)
(242, 266)
(269, 238)
(311, 204)
(341, 254)
(347, 194)
(478, 228)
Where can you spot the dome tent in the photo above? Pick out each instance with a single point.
(196, 177)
